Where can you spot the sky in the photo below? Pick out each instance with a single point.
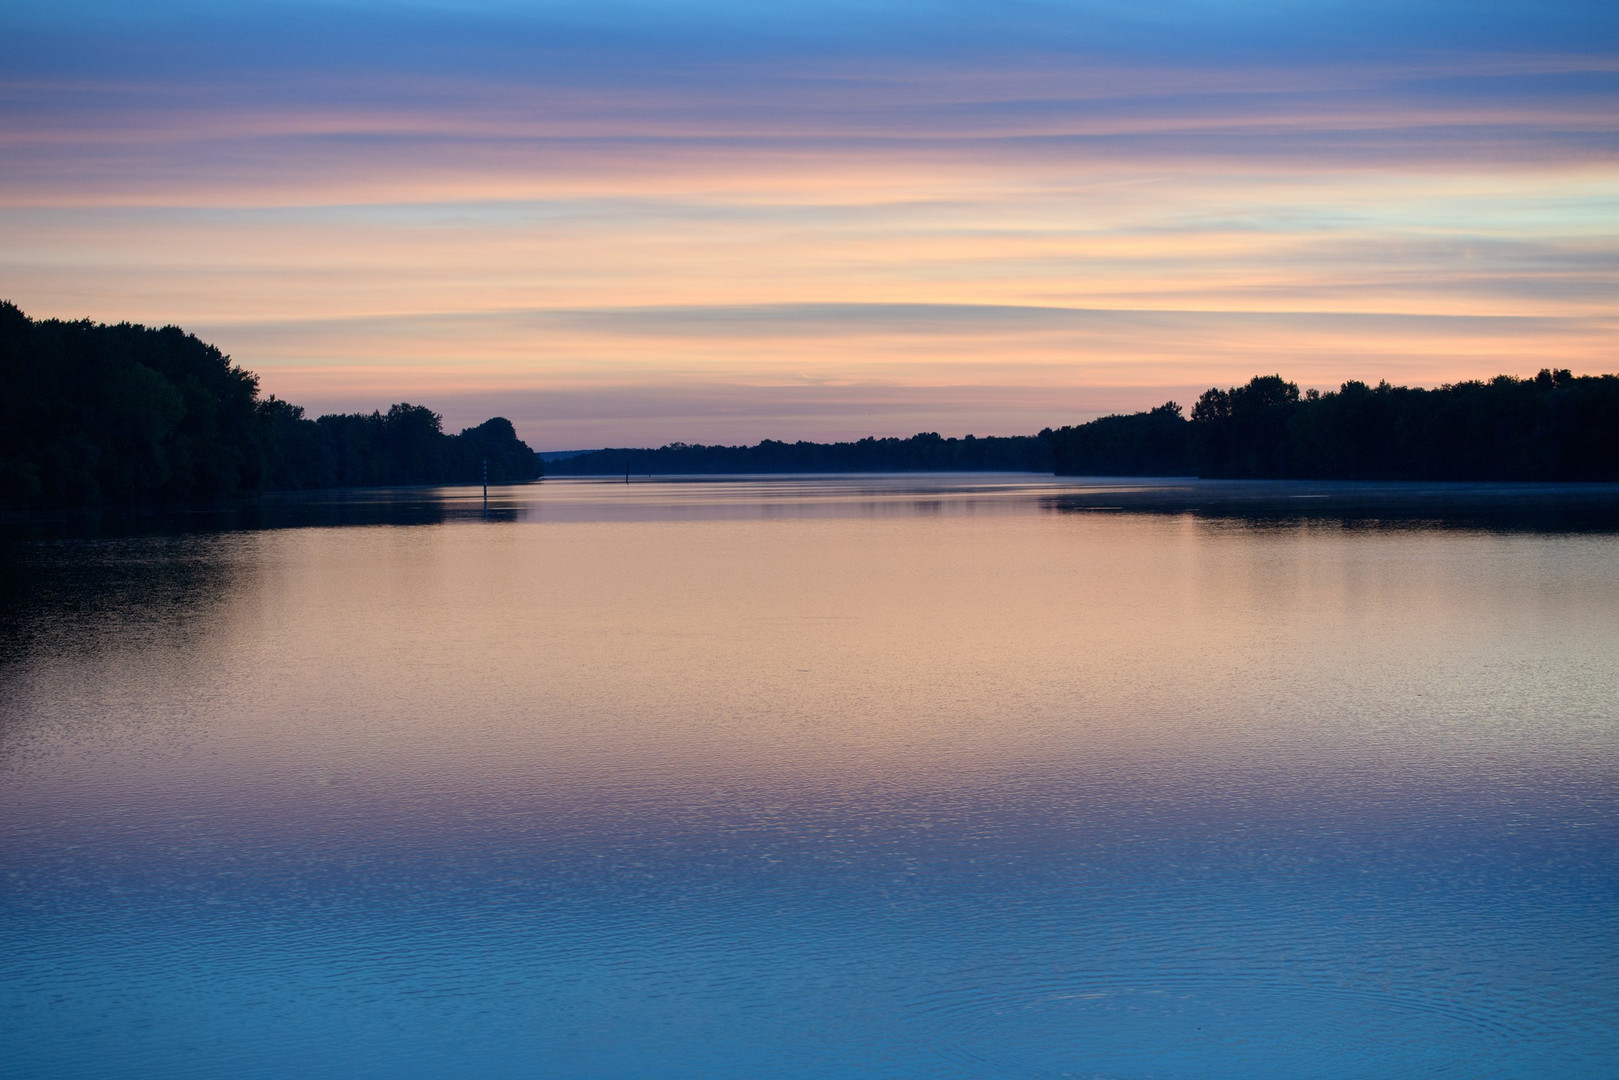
(630, 223)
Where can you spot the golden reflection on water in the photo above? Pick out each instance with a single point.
(814, 642)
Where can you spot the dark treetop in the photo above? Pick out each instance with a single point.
(1552, 427)
(125, 415)
(94, 415)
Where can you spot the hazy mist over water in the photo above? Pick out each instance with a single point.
(900, 777)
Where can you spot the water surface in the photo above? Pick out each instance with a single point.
(864, 777)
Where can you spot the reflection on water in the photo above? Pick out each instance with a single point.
(1499, 507)
(919, 776)
(1502, 507)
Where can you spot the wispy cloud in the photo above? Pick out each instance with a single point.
(383, 201)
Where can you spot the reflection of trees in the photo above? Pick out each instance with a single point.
(1296, 504)
(85, 599)
(69, 595)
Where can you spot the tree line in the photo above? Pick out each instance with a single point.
(97, 415)
(926, 452)
(1555, 426)
(92, 415)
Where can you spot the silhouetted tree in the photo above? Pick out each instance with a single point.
(109, 415)
(93, 414)
(1555, 426)
(1153, 443)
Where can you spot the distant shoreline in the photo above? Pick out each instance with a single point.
(1553, 427)
(127, 416)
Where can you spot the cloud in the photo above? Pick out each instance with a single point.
(374, 202)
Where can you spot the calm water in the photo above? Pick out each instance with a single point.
(818, 778)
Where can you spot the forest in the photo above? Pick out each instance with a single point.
(1554, 426)
(94, 415)
(98, 415)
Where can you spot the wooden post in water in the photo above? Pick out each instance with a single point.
(486, 485)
